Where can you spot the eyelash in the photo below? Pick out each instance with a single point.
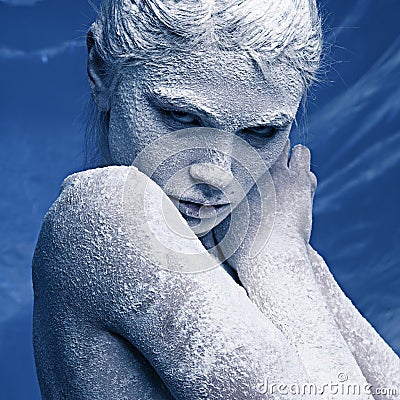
(257, 132)
(174, 121)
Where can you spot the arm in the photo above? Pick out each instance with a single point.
(377, 360)
(77, 356)
(281, 281)
(199, 332)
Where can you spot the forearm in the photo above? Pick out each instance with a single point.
(379, 363)
(206, 337)
(282, 284)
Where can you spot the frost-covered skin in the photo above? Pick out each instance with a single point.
(110, 323)
(104, 311)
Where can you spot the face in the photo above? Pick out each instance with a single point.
(220, 90)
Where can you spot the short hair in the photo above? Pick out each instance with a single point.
(268, 31)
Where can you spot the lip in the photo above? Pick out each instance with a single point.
(200, 210)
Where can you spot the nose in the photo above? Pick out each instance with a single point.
(211, 174)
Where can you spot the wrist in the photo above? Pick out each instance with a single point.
(283, 240)
(283, 250)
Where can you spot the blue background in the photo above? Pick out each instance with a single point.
(352, 127)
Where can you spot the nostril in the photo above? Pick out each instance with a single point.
(211, 174)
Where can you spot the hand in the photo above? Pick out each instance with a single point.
(290, 220)
(295, 186)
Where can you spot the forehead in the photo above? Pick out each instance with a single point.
(224, 84)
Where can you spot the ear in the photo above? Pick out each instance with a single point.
(96, 72)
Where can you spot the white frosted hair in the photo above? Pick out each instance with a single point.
(268, 31)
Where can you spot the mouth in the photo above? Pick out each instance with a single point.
(200, 210)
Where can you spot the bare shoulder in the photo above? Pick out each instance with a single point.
(86, 215)
(122, 201)
(106, 230)
(83, 241)
(98, 186)
(98, 200)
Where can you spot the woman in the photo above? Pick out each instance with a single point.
(113, 317)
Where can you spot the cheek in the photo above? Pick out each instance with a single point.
(149, 123)
(120, 142)
(273, 149)
(133, 126)
(121, 128)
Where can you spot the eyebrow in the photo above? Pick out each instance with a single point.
(278, 119)
(178, 98)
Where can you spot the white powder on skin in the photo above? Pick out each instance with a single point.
(110, 317)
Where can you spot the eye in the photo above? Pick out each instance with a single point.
(183, 117)
(261, 131)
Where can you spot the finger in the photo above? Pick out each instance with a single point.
(282, 160)
(300, 158)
